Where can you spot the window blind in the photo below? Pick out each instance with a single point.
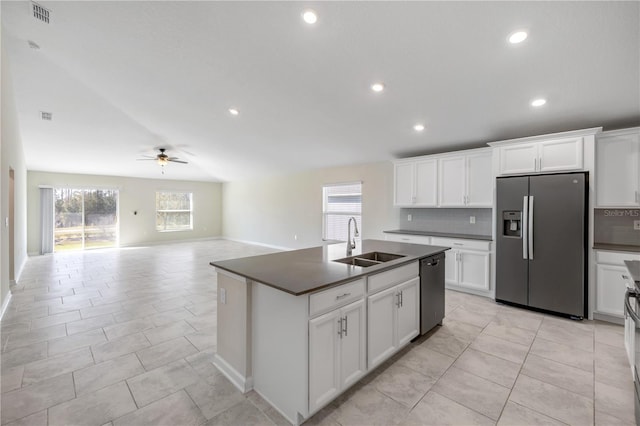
(340, 203)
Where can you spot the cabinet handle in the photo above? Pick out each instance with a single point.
(535, 164)
(342, 296)
(346, 326)
(340, 327)
(402, 298)
(540, 164)
(624, 277)
(398, 300)
(458, 244)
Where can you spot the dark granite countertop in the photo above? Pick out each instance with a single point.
(634, 270)
(304, 271)
(442, 234)
(616, 247)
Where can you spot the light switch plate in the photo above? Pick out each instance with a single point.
(472, 219)
(409, 218)
(636, 225)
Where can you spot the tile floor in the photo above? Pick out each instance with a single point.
(126, 337)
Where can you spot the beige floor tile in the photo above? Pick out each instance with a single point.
(168, 332)
(615, 401)
(568, 334)
(205, 339)
(461, 330)
(426, 362)
(98, 376)
(168, 317)
(517, 335)
(96, 408)
(15, 327)
(244, 413)
(122, 346)
(492, 368)
(155, 384)
(501, 348)
(462, 315)
(37, 419)
(164, 353)
(175, 409)
(54, 366)
(561, 375)
(610, 334)
(437, 410)
(445, 343)
(11, 378)
(563, 353)
(18, 340)
(202, 362)
(56, 319)
(202, 322)
(89, 324)
(518, 415)
(367, 406)
(214, 395)
(76, 341)
(517, 319)
(403, 385)
(603, 419)
(32, 399)
(126, 328)
(95, 311)
(555, 402)
(69, 307)
(474, 392)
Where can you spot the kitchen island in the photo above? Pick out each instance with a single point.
(300, 327)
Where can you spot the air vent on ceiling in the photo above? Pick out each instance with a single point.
(48, 116)
(40, 13)
(33, 44)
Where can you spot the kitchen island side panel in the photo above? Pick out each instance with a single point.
(280, 350)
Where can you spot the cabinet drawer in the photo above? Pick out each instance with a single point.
(392, 277)
(411, 239)
(335, 297)
(461, 244)
(615, 258)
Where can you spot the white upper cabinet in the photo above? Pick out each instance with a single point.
(617, 168)
(415, 183)
(541, 157)
(466, 180)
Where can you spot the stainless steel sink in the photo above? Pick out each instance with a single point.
(369, 259)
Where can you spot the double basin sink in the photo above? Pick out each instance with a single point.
(369, 259)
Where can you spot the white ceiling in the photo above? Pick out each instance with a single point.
(122, 78)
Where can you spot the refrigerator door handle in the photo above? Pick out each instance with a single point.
(525, 232)
(530, 228)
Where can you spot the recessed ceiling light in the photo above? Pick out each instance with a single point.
(418, 127)
(538, 102)
(377, 87)
(310, 16)
(233, 111)
(517, 37)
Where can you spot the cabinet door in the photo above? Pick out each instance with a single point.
(452, 180)
(404, 180)
(479, 180)
(474, 270)
(560, 154)
(408, 311)
(381, 326)
(451, 267)
(518, 159)
(353, 350)
(618, 170)
(426, 191)
(324, 381)
(610, 289)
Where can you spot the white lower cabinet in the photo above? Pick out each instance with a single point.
(467, 265)
(393, 320)
(337, 352)
(610, 282)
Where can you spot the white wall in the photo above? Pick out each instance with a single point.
(11, 157)
(272, 210)
(134, 195)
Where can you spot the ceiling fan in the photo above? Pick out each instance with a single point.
(162, 159)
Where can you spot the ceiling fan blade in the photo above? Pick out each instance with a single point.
(177, 161)
(146, 159)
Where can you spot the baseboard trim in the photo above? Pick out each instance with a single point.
(244, 384)
(5, 304)
(20, 269)
(608, 318)
(158, 243)
(255, 243)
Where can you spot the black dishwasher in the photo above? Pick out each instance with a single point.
(431, 292)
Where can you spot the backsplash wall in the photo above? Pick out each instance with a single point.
(455, 221)
(615, 226)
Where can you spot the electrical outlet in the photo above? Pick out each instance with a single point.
(223, 296)
(472, 219)
(636, 225)
(409, 217)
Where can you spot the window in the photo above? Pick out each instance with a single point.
(340, 202)
(174, 211)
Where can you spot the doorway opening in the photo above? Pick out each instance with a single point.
(85, 218)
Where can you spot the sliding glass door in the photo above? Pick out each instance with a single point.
(85, 218)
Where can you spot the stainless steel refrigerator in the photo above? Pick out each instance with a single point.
(541, 242)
